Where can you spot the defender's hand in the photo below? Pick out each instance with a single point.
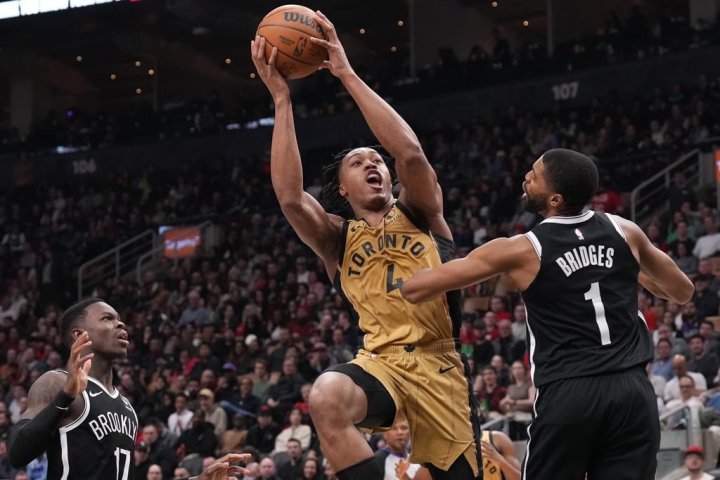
(78, 366)
(269, 74)
(338, 63)
(222, 469)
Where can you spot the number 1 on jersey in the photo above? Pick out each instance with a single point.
(126, 464)
(594, 295)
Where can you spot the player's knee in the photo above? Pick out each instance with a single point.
(331, 398)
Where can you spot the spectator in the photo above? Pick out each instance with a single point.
(195, 314)
(688, 395)
(234, 439)
(180, 420)
(694, 459)
(519, 323)
(181, 473)
(298, 431)
(658, 384)
(506, 345)
(679, 345)
(707, 245)
(214, 414)
(243, 401)
(706, 301)
(199, 438)
(291, 466)
(483, 349)
(311, 470)
(261, 379)
(339, 351)
(267, 470)
(712, 344)
(154, 473)
(141, 457)
(159, 453)
(6, 470)
(701, 362)
(662, 365)
(287, 390)
(680, 368)
(489, 392)
(262, 434)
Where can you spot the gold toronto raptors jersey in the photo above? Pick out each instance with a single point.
(491, 470)
(374, 262)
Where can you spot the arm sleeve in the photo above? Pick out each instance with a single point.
(32, 437)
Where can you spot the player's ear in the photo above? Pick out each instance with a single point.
(556, 200)
(342, 190)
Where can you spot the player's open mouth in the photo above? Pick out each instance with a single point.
(374, 179)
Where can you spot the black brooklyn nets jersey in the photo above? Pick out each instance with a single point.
(582, 311)
(99, 445)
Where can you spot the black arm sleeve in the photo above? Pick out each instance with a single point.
(32, 437)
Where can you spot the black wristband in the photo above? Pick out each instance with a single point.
(62, 400)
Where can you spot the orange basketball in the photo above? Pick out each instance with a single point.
(289, 28)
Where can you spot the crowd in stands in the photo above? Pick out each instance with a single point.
(224, 347)
(625, 36)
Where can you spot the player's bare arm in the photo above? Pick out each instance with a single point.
(421, 192)
(503, 454)
(315, 227)
(658, 272)
(512, 255)
(54, 400)
(223, 468)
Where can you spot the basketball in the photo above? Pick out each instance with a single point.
(289, 28)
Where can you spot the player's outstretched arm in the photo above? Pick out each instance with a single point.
(319, 230)
(415, 173)
(53, 399)
(658, 272)
(487, 261)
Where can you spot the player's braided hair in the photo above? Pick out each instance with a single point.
(330, 198)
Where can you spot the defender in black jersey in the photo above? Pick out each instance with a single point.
(83, 423)
(578, 271)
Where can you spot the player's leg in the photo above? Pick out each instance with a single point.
(341, 398)
(629, 440)
(560, 436)
(445, 423)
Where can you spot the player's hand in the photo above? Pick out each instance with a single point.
(338, 63)
(222, 469)
(401, 469)
(269, 74)
(490, 452)
(78, 366)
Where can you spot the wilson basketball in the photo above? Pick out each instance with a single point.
(289, 28)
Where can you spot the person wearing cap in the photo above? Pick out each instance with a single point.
(262, 434)
(213, 413)
(694, 458)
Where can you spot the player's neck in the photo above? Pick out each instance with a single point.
(101, 370)
(374, 217)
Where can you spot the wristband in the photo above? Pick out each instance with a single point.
(62, 400)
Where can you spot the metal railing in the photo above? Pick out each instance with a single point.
(651, 196)
(117, 262)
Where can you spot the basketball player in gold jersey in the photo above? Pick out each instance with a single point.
(499, 461)
(409, 364)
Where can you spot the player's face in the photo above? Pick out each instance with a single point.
(106, 330)
(365, 179)
(535, 191)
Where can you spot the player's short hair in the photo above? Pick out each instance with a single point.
(74, 315)
(572, 175)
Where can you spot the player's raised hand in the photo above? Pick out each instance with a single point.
(78, 365)
(269, 74)
(222, 469)
(338, 63)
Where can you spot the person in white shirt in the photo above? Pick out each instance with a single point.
(672, 388)
(694, 458)
(297, 430)
(687, 395)
(180, 420)
(708, 244)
